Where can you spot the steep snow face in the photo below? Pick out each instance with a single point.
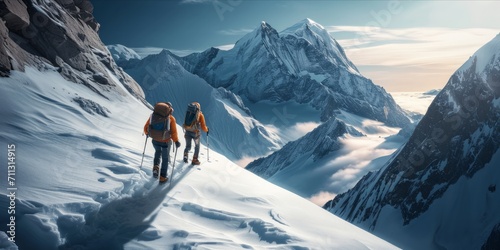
(233, 130)
(303, 64)
(80, 185)
(424, 196)
(485, 58)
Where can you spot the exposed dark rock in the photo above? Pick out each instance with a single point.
(91, 107)
(493, 242)
(60, 33)
(100, 78)
(5, 66)
(14, 12)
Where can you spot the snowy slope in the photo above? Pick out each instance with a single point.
(73, 123)
(79, 184)
(440, 190)
(234, 132)
(301, 64)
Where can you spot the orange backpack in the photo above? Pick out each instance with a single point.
(159, 123)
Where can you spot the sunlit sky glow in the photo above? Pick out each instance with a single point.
(400, 45)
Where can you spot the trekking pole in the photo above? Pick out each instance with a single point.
(208, 152)
(173, 167)
(144, 151)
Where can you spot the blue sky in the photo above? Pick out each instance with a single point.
(400, 45)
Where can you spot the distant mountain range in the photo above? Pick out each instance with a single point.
(302, 63)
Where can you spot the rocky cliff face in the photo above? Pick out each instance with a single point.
(62, 34)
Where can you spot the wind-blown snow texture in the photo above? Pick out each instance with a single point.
(303, 64)
(78, 147)
(440, 190)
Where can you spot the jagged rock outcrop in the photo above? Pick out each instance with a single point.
(5, 65)
(493, 241)
(15, 14)
(63, 34)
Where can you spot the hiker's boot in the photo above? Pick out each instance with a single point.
(195, 161)
(185, 157)
(156, 170)
(163, 179)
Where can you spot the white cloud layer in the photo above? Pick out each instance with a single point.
(195, 1)
(235, 32)
(410, 58)
(225, 47)
(322, 197)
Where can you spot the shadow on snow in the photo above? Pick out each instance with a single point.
(119, 221)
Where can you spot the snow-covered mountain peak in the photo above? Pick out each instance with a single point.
(166, 60)
(256, 37)
(121, 52)
(302, 25)
(486, 55)
(303, 64)
(316, 35)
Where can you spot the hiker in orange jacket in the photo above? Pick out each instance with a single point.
(194, 134)
(162, 147)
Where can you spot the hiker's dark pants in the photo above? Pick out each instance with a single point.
(162, 149)
(192, 136)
